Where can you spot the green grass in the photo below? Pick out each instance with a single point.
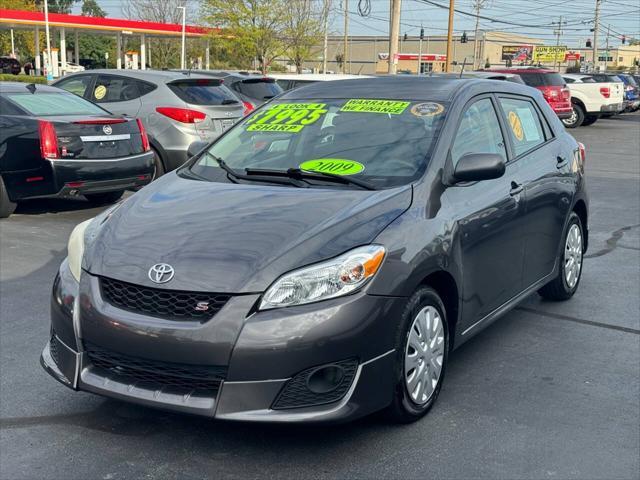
(7, 77)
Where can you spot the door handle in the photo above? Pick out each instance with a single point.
(561, 161)
(516, 188)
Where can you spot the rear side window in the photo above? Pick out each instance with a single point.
(76, 85)
(569, 80)
(43, 104)
(111, 88)
(8, 108)
(258, 88)
(525, 128)
(543, 79)
(587, 80)
(203, 92)
(479, 132)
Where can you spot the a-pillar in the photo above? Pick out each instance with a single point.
(38, 55)
(143, 52)
(76, 49)
(119, 50)
(63, 51)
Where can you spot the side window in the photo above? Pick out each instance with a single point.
(525, 127)
(76, 85)
(145, 87)
(568, 80)
(110, 88)
(479, 132)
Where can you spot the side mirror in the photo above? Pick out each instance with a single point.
(195, 148)
(474, 167)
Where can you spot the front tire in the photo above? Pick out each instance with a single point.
(566, 282)
(576, 118)
(422, 348)
(7, 207)
(104, 198)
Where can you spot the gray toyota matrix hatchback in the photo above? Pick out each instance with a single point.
(321, 259)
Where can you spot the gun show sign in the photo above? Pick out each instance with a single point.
(546, 54)
(517, 53)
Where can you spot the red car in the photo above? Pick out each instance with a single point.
(553, 87)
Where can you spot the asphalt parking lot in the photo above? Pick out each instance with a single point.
(552, 390)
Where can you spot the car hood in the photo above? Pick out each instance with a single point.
(232, 238)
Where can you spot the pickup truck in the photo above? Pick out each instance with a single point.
(591, 99)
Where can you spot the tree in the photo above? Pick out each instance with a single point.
(165, 52)
(23, 40)
(251, 26)
(90, 8)
(56, 6)
(303, 29)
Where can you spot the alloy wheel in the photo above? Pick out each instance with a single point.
(573, 256)
(424, 355)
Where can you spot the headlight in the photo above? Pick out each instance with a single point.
(75, 248)
(329, 279)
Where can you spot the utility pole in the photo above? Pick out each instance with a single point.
(345, 53)
(183, 51)
(420, 50)
(606, 53)
(449, 35)
(596, 26)
(393, 34)
(478, 4)
(558, 33)
(325, 51)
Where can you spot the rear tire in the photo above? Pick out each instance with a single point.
(566, 282)
(422, 348)
(104, 198)
(590, 120)
(158, 165)
(576, 118)
(7, 207)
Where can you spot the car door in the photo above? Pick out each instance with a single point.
(118, 94)
(488, 217)
(545, 173)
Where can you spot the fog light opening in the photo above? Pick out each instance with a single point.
(325, 379)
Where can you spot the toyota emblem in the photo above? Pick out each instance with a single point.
(161, 273)
(107, 129)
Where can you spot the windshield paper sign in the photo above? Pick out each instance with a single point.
(337, 166)
(286, 117)
(374, 106)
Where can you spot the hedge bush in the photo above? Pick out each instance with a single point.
(7, 77)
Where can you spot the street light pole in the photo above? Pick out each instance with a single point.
(325, 50)
(394, 32)
(420, 50)
(46, 27)
(558, 33)
(183, 52)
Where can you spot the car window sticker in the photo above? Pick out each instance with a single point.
(427, 109)
(516, 126)
(374, 106)
(528, 123)
(100, 92)
(286, 117)
(337, 166)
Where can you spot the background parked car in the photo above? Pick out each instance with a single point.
(177, 109)
(72, 67)
(631, 92)
(9, 65)
(251, 88)
(550, 83)
(289, 81)
(55, 143)
(591, 99)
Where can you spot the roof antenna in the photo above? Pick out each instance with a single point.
(32, 88)
(464, 62)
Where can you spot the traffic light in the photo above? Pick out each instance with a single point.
(588, 45)
(421, 33)
(624, 39)
(405, 37)
(463, 38)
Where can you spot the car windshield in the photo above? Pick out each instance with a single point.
(203, 92)
(383, 142)
(259, 88)
(53, 103)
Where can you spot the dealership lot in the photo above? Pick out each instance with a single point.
(552, 390)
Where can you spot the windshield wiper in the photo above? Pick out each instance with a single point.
(254, 178)
(299, 174)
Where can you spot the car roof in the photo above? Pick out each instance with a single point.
(151, 75)
(397, 88)
(226, 73)
(316, 77)
(21, 87)
(520, 71)
(575, 75)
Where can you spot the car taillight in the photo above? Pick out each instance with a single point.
(583, 152)
(605, 92)
(48, 139)
(549, 93)
(143, 136)
(183, 115)
(565, 93)
(248, 108)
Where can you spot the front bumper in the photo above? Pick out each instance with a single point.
(261, 353)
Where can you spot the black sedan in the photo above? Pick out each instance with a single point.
(54, 143)
(322, 258)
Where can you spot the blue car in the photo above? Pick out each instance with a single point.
(631, 92)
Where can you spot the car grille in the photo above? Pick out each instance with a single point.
(296, 393)
(155, 374)
(54, 349)
(170, 304)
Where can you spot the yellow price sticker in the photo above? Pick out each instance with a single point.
(100, 92)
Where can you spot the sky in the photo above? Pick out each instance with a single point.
(533, 17)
